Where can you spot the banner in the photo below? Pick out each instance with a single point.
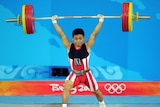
(55, 88)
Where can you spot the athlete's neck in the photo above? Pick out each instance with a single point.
(77, 46)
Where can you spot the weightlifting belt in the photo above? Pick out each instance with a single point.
(80, 72)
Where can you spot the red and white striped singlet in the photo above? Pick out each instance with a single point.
(78, 59)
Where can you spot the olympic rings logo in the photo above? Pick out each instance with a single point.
(115, 88)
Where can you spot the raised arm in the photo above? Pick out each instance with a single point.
(60, 32)
(96, 30)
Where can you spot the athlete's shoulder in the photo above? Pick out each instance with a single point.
(87, 47)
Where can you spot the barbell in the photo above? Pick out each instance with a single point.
(27, 20)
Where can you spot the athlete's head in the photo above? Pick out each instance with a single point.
(78, 36)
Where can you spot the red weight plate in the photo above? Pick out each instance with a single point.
(126, 17)
(29, 19)
(125, 20)
(27, 15)
(32, 19)
(123, 16)
(125, 9)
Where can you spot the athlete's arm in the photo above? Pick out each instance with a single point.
(96, 30)
(58, 29)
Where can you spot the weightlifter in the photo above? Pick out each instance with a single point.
(79, 53)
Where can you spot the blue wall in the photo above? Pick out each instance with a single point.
(116, 55)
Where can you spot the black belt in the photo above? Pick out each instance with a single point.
(81, 72)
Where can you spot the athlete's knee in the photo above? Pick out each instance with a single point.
(96, 91)
(68, 85)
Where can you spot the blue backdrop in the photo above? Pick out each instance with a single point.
(115, 56)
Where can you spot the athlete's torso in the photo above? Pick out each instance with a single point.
(78, 58)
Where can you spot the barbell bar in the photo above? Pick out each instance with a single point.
(27, 20)
(75, 17)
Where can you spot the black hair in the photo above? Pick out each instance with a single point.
(77, 31)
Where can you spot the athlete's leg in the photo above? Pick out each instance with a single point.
(93, 86)
(69, 83)
(66, 91)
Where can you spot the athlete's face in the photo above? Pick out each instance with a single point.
(78, 40)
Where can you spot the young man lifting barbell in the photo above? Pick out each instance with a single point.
(78, 53)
